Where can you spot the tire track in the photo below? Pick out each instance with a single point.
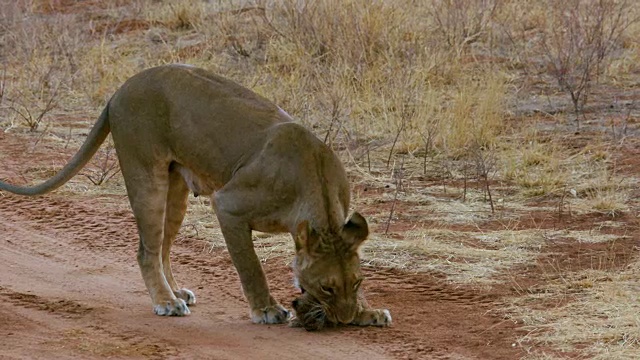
(63, 307)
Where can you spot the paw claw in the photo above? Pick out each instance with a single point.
(177, 307)
(385, 318)
(187, 295)
(378, 317)
(275, 314)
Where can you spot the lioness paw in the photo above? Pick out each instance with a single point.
(187, 295)
(275, 314)
(378, 317)
(177, 307)
(384, 319)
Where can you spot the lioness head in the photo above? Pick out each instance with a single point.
(327, 267)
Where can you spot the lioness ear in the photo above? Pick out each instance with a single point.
(305, 239)
(355, 231)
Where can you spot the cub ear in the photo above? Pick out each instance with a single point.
(355, 231)
(305, 239)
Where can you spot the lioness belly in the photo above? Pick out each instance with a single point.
(196, 184)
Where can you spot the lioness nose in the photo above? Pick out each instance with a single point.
(346, 317)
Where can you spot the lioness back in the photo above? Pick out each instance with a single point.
(193, 117)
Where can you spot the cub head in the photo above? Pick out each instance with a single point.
(327, 267)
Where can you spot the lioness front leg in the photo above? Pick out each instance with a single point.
(264, 308)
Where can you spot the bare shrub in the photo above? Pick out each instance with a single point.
(41, 68)
(485, 162)
(398, 176)
(337, 100)
(103, 167)
(579, 38)
(463, 22)
(31, 114)
(3, 84)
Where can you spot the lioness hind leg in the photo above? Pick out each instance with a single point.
(147, 190)
(174, 214)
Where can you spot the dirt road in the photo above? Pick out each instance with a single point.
(72, 289)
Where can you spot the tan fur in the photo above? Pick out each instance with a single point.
(178, 128)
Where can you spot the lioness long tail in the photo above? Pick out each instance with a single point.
(96, 137)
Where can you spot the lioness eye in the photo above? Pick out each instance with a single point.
(327, 290)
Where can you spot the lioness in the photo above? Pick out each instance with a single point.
(178, 128)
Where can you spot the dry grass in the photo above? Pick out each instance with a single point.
(414, 97)
(602, 320)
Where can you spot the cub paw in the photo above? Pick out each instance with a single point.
(176, 307)
(378, 317)
(187, 295)
(275, 314)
